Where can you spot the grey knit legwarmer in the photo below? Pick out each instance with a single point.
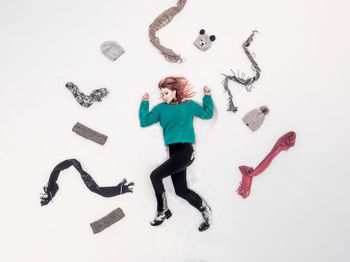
(90, 134)
(106, 221)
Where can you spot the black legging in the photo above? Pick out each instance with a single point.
(175, 166)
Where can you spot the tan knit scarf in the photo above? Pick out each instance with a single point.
(162, 20)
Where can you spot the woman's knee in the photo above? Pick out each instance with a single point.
(154, 176)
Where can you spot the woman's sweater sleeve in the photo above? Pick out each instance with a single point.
(148, 118)
(206, 111)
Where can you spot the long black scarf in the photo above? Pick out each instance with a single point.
(52, 187)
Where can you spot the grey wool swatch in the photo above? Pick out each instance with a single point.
(107, 221)
(90, 134)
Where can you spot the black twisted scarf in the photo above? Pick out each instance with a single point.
(52, 187)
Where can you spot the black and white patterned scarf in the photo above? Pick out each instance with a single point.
(84, 100)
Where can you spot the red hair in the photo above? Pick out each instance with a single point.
(180, 84)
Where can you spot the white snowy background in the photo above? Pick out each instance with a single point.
(298, 209)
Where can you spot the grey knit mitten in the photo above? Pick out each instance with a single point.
(106, 221)
(90, 134)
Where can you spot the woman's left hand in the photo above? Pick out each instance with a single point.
(206, 90)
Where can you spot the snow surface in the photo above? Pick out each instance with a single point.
(298, 209)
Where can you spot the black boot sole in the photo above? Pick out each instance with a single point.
(203, 227)
(167, 216)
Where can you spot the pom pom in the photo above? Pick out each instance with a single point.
(264, 109)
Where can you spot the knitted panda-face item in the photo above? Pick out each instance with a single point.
(204, 41)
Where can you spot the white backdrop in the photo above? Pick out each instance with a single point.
(298, 209)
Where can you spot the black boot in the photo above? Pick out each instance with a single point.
(163, 211)
(206, 214)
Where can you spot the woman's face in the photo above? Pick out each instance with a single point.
(167, 95)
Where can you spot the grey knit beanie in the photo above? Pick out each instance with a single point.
(255, 118)
(112, 50)
(106, 221)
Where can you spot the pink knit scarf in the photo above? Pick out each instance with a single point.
(283, 144)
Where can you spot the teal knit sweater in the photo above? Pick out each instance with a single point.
(176, 120)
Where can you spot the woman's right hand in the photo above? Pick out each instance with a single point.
(207, 90)
(145, 97)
